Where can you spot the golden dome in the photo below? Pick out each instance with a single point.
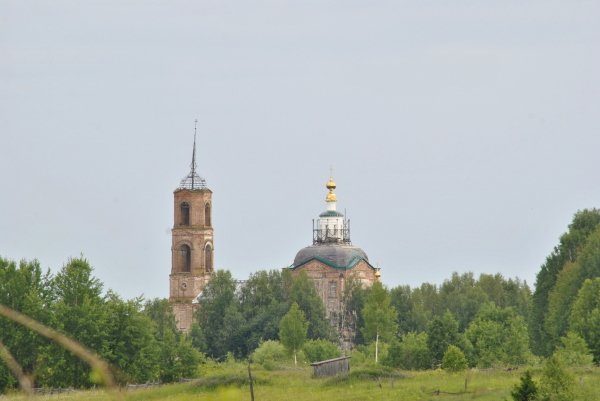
(377, 274)
(331, 186)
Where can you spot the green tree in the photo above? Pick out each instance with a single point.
(557, 383)
(560, 301)
(583, 225)
(293, 329)
(379, 317)
(216, 298)
(25, 288)
(81, 313)
(197, 337)
(304, 293)
(463, 297)
(353, 300)
(575, 351)
(412, 314)
(441, 333)
(454, 359)
(585, 316)
(498, 336)
(526, 390)
(133, 347)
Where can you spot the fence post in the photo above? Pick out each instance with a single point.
(581, 381)
(465, 385)
(379, 381)
(250, 378)
(126, 386)
(392, 383)
(94, 389)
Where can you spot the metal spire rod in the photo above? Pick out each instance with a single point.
(194, 154)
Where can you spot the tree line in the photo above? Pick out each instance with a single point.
(484, 321)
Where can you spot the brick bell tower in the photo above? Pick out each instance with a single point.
(192, 250)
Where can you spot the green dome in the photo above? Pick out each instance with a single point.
(331, 213)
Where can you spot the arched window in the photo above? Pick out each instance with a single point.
(185, 214)
(185, 258)
(209, 259)
(207, 215)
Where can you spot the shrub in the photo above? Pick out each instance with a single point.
(454, 360)
(411, 353)
(269, 351)
(226, 379)
(366, 374)
(320, 350)
(557, 382)
(575, 352)
(526, 391)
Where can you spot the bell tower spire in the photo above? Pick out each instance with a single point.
(193, 181)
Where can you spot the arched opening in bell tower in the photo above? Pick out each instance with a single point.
(185, 258)
(207, 214)
(185, 214)
(209, 259)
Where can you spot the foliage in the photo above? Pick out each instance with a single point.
(441, 333)
(293, 329)
(320, 350)
(353, 300)
(379, 317)
(498, 336)
(585, 318)
(526, 390)
(571, 244)
(575, 352)
(218, 315)
(269, 351)
(454, 360)
(411, 353)
(557, 383)
(304, 293)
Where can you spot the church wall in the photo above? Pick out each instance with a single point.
(184, 315)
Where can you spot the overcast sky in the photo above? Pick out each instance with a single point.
(464, 135)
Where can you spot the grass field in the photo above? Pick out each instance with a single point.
(230, 382)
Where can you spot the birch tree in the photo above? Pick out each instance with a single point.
(292, 330)
(379, 317)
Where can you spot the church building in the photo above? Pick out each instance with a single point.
(332, 258)
(192, 250)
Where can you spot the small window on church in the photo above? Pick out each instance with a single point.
(209, 259)
(332, 289)
(185, 259)
(185, 214)
(207, 215)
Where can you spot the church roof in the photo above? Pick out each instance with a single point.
(338, 256)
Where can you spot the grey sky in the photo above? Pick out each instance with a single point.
(463, 134)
